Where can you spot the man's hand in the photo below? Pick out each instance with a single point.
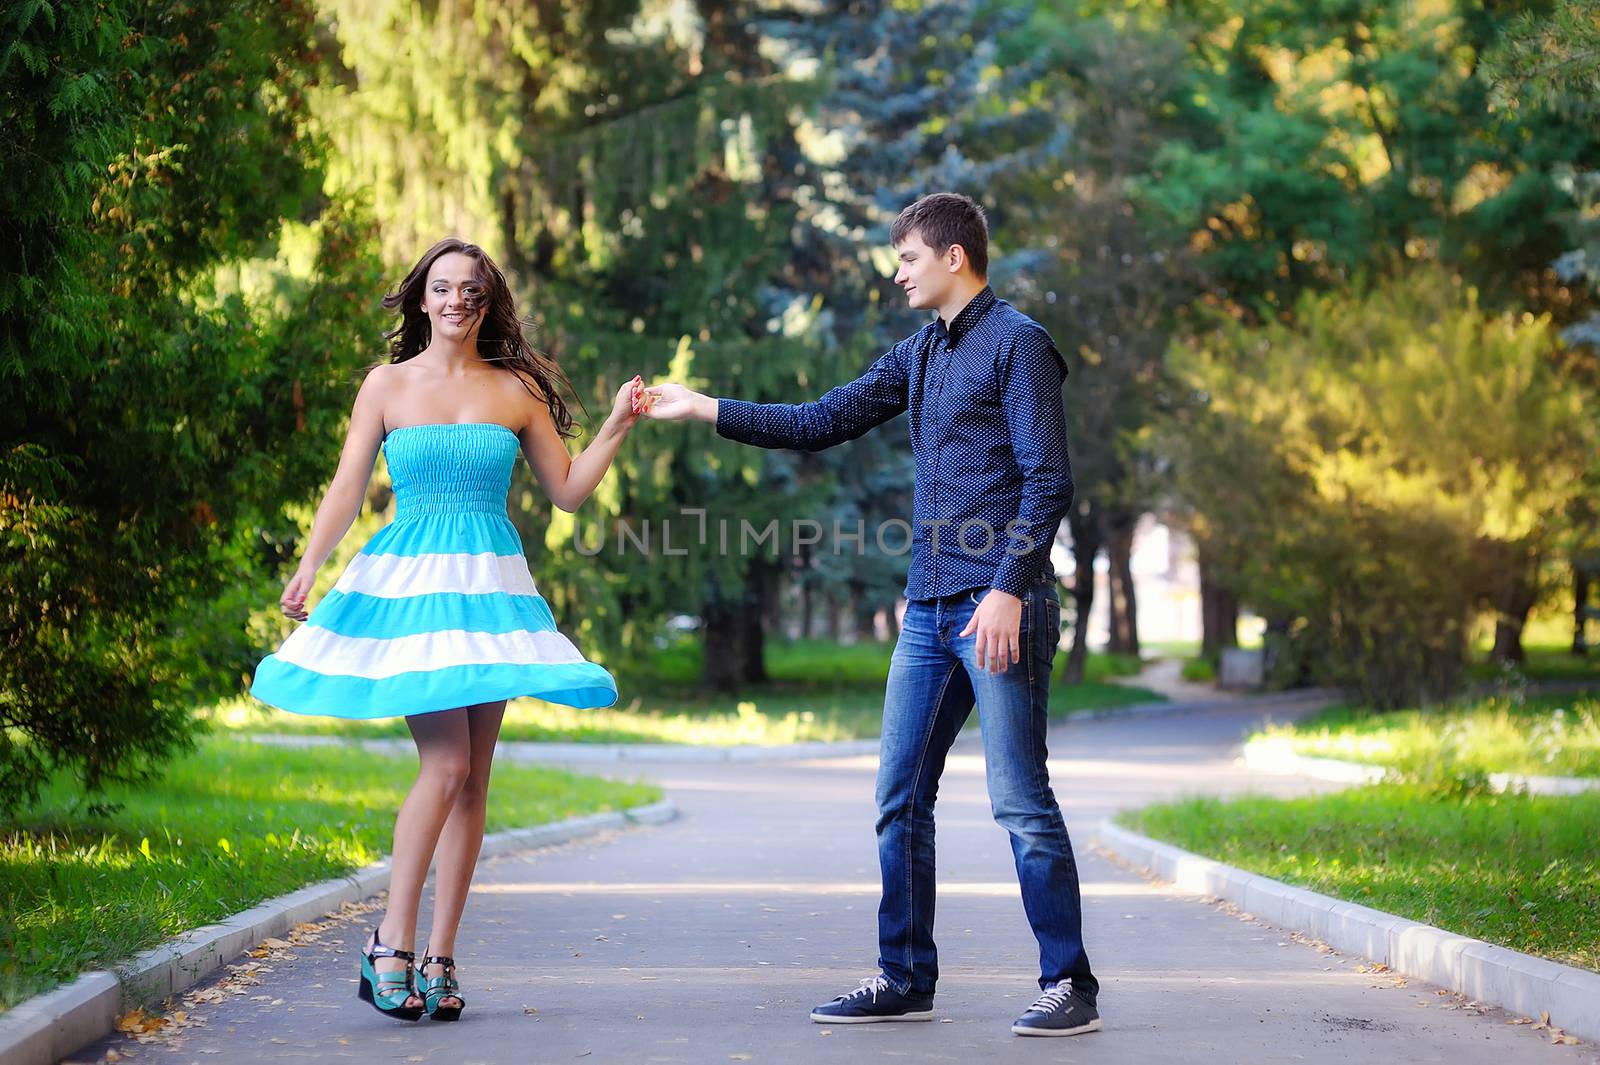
(997, 621)
(675, 403)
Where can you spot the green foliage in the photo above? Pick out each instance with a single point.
(1323, 141)
(1360, 470)
(1515, 870)
(624, 165)
(226, 827)
(177, 308)
(1539, 735)
(1548, 58)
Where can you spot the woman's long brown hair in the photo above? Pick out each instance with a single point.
(500, 338)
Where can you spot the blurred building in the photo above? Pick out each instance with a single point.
(1166, 584)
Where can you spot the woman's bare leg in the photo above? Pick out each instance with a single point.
(444, 764)
(462, 837)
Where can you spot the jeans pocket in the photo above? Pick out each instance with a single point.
(1048, 637)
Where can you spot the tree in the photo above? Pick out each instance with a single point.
(1550, 61)
(1325, 141)
(1548, 58)
(1321, 143)
(621, 163)
(179, 320)
(1378, 467)
(913, 99)
(1108, 282)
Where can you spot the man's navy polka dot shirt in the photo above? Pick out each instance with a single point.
(988, 433)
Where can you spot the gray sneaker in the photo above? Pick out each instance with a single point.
(1058, 1012)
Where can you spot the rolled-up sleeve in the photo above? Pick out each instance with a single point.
(1031, 386)
(844, 413)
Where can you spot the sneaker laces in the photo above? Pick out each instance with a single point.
(1053, 999)
(872, 985)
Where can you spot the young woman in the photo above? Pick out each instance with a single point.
(437, 619)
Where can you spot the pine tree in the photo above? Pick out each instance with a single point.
(176, 341)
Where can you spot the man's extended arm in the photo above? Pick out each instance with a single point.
(842, 414)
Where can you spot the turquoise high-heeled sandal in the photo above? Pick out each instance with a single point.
(435, 989)
(388, 991)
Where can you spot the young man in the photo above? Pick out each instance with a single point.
(982, 383)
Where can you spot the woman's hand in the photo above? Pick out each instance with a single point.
(293, 599)
(633, 400)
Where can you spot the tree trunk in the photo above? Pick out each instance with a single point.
(1515, 592)
(732, 655)
(865, 614)
(1219, 611)
(761, 589)
(806, 600)
(831, 617)
(722, 653)
(1580, 607)
(892, 616)
(774, 605)
(1123, 604)
(1508, 635)
(1085, 527)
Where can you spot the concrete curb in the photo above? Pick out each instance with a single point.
(1277, 756)
(1510, 979)
(52, 1026)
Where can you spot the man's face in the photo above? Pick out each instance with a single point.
(924, 275)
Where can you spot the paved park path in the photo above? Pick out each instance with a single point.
(707, 940)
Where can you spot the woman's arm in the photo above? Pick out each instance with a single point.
(342, 502)
(566, 480)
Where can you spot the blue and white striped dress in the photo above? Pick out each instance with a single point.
(438, 610)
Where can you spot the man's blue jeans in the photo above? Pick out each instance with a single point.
(934, 682)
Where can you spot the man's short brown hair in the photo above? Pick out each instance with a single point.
(943, 219)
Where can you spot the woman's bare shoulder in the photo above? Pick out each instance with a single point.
(518, 390)
(391, 378)
(383, 375)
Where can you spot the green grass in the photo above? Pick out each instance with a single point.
(1516, 870)
(1170, 648)
(1544, 662)
(810, 663)
(1547, 735)
(1199, 671)
(819, 691)
(221, 830)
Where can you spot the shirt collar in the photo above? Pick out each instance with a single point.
(969, 316)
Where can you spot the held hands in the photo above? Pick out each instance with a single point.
(997, 622)
(633, 399)
(664, 403)
(293, 599)
(675, 403)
